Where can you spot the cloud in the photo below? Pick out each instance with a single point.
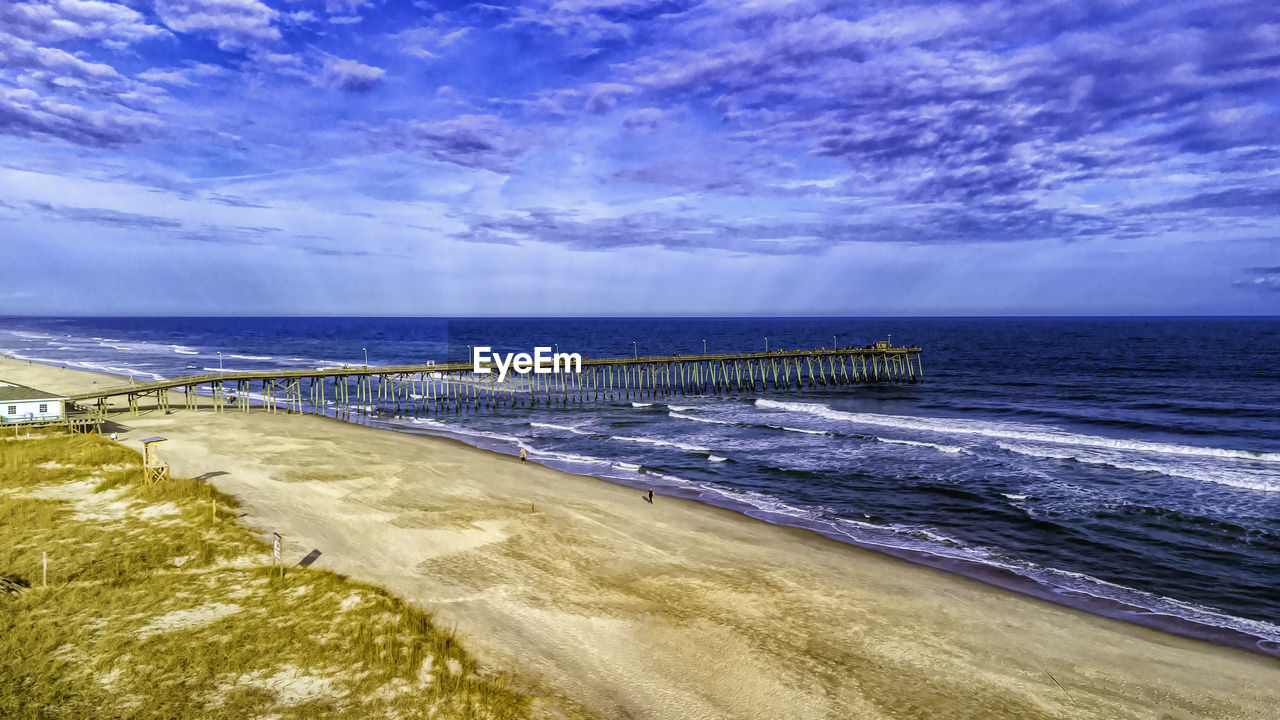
(25, 113)
(645, 121)
(183, 77)
(603, 97)
(106, 217)
(1262, 279)
(1256, 199)
(643, 229)
(477, 141)
(234, 201)
(236, 24)
(587, 27)
(971, 108)
(956, 89)
(49, 21)
(727, 177)
(712, 127)
(350, 76)
(428, 42)
(785, 235)
(60, 71)
(47, 93)
(346, 7)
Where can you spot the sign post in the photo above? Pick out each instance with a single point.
(275, 553)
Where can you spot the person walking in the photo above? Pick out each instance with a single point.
(649, 498)
(524, 457)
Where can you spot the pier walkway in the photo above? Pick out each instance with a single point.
(363, 389)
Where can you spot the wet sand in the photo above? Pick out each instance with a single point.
(610, 607)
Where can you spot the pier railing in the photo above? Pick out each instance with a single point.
(364, 389)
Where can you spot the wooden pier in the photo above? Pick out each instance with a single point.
(342, 391)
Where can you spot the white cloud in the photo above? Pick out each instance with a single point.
(351, 76)
(27, 114)
(184, 77)
(57, 20)
(237, 24)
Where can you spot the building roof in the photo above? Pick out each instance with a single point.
(11, 392)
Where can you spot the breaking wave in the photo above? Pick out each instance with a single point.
(1014, 431)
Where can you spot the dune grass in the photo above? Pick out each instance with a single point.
(154, 609)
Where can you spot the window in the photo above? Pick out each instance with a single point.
(13, 410)
(44, 407)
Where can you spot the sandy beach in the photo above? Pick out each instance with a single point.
(606, 606)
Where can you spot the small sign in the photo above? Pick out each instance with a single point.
(275, 550)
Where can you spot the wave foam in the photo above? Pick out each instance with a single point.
(681, 416)
(663, 443)
(951, 449)
(122, 369)
(1237, 476)
(1014, 431)
(538, 454)
(799, 430)
(567, 428)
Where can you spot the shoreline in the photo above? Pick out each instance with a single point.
(801, 566)
(993, 575)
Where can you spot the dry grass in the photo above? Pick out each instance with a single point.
(154, 610)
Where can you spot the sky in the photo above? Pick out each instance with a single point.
(639, 157)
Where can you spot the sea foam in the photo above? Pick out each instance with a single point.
(662, 443)
(1013, 431)
(566, 428)
(682, 416)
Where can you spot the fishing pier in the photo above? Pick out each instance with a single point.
(346, 390)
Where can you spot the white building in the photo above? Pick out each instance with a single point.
(20, 404)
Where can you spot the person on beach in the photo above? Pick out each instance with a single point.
(523, 456)
(649, 498)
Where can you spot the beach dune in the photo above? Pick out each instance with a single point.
(606, 606)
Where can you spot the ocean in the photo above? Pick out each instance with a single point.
(1129, 467)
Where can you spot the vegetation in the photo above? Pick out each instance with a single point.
(154, 608)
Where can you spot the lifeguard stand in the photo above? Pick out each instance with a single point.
(156, 469)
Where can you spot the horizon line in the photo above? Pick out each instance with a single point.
(651, 317)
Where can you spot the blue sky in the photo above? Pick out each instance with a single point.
(639, 157)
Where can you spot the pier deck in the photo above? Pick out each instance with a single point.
(353, 389)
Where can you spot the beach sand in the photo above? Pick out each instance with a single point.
(607, 606)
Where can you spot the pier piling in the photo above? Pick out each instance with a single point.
(364, 391)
